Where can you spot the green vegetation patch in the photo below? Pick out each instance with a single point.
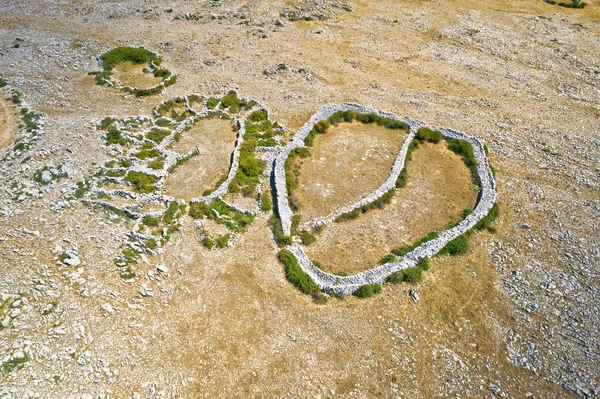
(157, 134)
(141, 182)
(404, 250)
(295, 275)
(137, 56)
(221, 213)
(367, 290)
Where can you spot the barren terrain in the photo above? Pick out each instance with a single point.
(346, 164)
(517, 316)
(215, 140)
(437, 192)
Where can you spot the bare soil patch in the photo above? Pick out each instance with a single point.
(8, 123)
(346, 164)
(215, 140)
(439, 188)
(130, 74)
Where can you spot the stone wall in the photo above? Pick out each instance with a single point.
(348, 284)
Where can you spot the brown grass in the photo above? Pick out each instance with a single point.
(130, 74)
(347, 163)
(439, 188)
(215, 139)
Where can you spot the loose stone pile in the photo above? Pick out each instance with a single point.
(348, 284)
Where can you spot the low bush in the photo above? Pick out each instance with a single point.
(395, 277)
(146, 153)
(458, 246)
(367, 290)
(307, 237)
(280, 238)
(423, 264)
(157, 135)
(157, 164)
(141, 182)
(295, 275)
(114, 136)
(222, 241)
(378, 203)
(429, 135)
(464, 149)
(150, 221)
(413, 274)
(387, 259)
(486, 222)
(266, 203)
(134, 55)
(404, 250)
(402, 178)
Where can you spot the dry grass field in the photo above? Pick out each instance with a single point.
(438, 189)
(347, 163)
(215, 139)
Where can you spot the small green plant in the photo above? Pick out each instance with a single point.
(295, 274)
(458, 246)
(387, 259)
(114, 136)
(307, 237)
(486, 222)
(429, 135)
(367, 290)
(157, 164)
(413, 274)
(158, 135)
(223, 241)
(141, 182)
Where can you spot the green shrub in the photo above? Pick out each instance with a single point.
(3, 82)
(404, 250)
(113, 136)
(280, 238)
(211, 103)
(402, 178)
(150, 221)
(423, 264)
(141, 182)
(429, 135)
(208, 242)
(106, 122)
(395, 277)
(486, 222)
(157, 135)
(266, 203)
(387, 259)
(413, 274)
(458, 246)
(147, 153)
(134, 55)
(295, 274)
(367, 290)
(223, 241)
(157, 164)
(464, 149)
(306, 237)
(259, 116)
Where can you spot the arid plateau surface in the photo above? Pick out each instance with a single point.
(299, 199)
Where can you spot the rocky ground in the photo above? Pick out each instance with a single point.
(515, 317)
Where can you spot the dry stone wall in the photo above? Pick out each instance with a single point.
(348, 284)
